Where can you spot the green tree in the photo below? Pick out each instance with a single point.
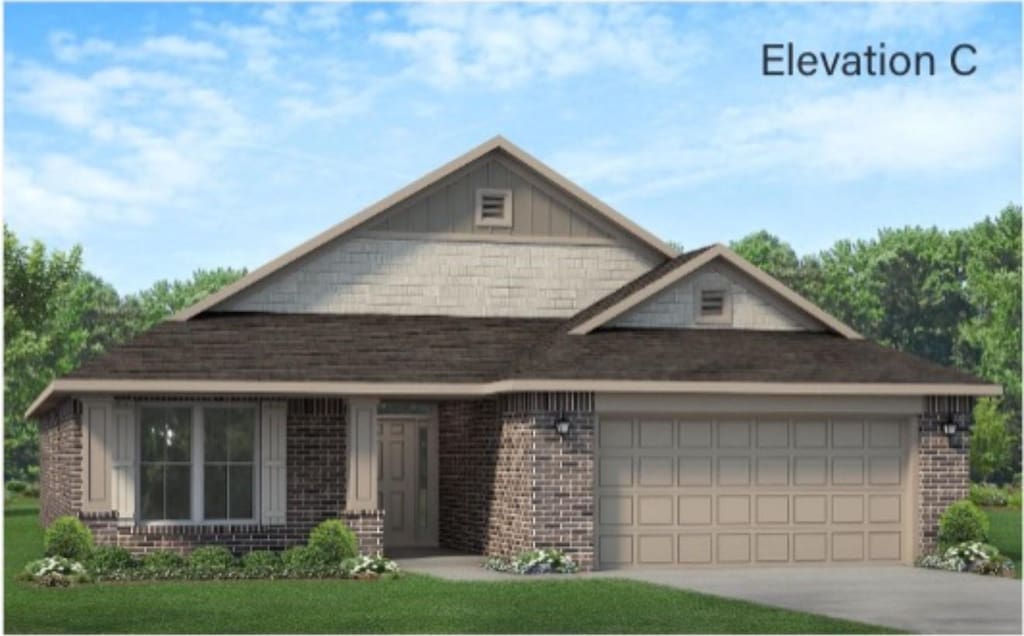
(772, 255)
(166, 298)
(992, 443)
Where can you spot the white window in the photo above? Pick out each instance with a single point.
(493, 207)
(713, 306)
(198, 463)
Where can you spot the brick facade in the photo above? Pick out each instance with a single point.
(943, 477)
(60, 461)
(316, 447)
(508, 482)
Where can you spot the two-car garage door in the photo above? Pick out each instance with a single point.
(751, 490)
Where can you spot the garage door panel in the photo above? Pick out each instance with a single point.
(655, 510)
(733, 471)
(615, 510)
(656, 471)
(695, 510)
(695, 548)
(688, 491)
(657, 434)
(694, 434)
(656, 549)
(615, 471)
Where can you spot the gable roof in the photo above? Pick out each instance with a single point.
(447, 356)
(396, 198)
(676, 269)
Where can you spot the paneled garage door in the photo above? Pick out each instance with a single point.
(689, 491)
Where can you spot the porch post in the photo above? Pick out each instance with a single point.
(362, 454)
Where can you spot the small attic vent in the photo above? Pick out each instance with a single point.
(712, 302)
(493, 208)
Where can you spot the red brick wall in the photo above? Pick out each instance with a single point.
(60, 461)
(943, 478)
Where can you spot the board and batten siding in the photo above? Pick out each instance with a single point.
(439, 277)
(752, 305)
(449, 206)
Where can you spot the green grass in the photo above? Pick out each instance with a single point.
(411, 604)
(1005, 533)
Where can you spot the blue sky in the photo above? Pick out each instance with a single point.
(165, 138)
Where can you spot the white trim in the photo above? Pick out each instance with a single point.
(466, 237)
(505, 220)
(439, 389)
(716, 251)
(346, 226)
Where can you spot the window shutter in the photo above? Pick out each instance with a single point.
(273, 468)
(123, 458)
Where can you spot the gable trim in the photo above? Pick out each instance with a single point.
(346, 226)
(716, 251)
(80, 387)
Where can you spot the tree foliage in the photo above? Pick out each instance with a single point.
(56, 315)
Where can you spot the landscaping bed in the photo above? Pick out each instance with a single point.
(411, 604)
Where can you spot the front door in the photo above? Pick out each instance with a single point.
(408, 479)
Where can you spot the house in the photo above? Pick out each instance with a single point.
(491, 360)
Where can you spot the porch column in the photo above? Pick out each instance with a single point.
(362, 454)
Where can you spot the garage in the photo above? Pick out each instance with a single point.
(684, 490)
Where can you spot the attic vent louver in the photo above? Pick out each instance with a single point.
(493, 208)
(712, 302)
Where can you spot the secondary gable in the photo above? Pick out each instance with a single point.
(744, 303)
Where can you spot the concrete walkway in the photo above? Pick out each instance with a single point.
(905, 598)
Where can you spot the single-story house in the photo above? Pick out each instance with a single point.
(491, 360)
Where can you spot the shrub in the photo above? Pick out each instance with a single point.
(68, 537)
(162, 561)
(16, 486)
(32, 491)
(988, 495)
(299, 558)
(962, 521)
(333, 541)
(969, 556)
(377, 564)
(262, 562)
(992, 443)
(211, 558)
(106, 559)
(1013, 500)
(55, 571)
(534, 562)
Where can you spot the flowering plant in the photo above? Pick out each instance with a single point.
(55, 571)
(377, 564)
(969, 556)
(534, 562)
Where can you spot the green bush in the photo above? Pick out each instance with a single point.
(105, 559)
(333, 541)
(32, 491)
(1013, 500)
(988, 495)
(68, 537)
(263, 562)
(300, 557)
(211, 558)
(162, 560)
(16, 486)
(962, 521)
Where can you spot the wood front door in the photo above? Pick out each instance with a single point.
(408, 480)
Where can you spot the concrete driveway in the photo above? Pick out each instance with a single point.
(905, 598)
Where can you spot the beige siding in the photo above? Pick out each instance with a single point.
(752, 305)
(467, 278)
(538, 208)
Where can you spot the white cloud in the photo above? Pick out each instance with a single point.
(177, 46)
(67, 48)
(857, 134)
(503, 46)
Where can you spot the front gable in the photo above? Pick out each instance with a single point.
(744, 304)
(426, 250)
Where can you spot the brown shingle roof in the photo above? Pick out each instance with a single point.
(444, 349)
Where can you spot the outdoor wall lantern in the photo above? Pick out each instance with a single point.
(562, 425)
(949, 427)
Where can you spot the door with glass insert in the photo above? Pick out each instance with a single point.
(407, 480)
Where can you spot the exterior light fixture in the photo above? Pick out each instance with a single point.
(949, 427)
(562, 425)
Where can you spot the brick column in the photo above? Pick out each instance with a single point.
(943, 475)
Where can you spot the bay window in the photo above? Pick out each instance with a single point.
(198, 463)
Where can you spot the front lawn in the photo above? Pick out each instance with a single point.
(411, 604)
(1005, 533)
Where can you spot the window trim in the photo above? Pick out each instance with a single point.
(725, 318)
(198, 464)
(506, 218)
